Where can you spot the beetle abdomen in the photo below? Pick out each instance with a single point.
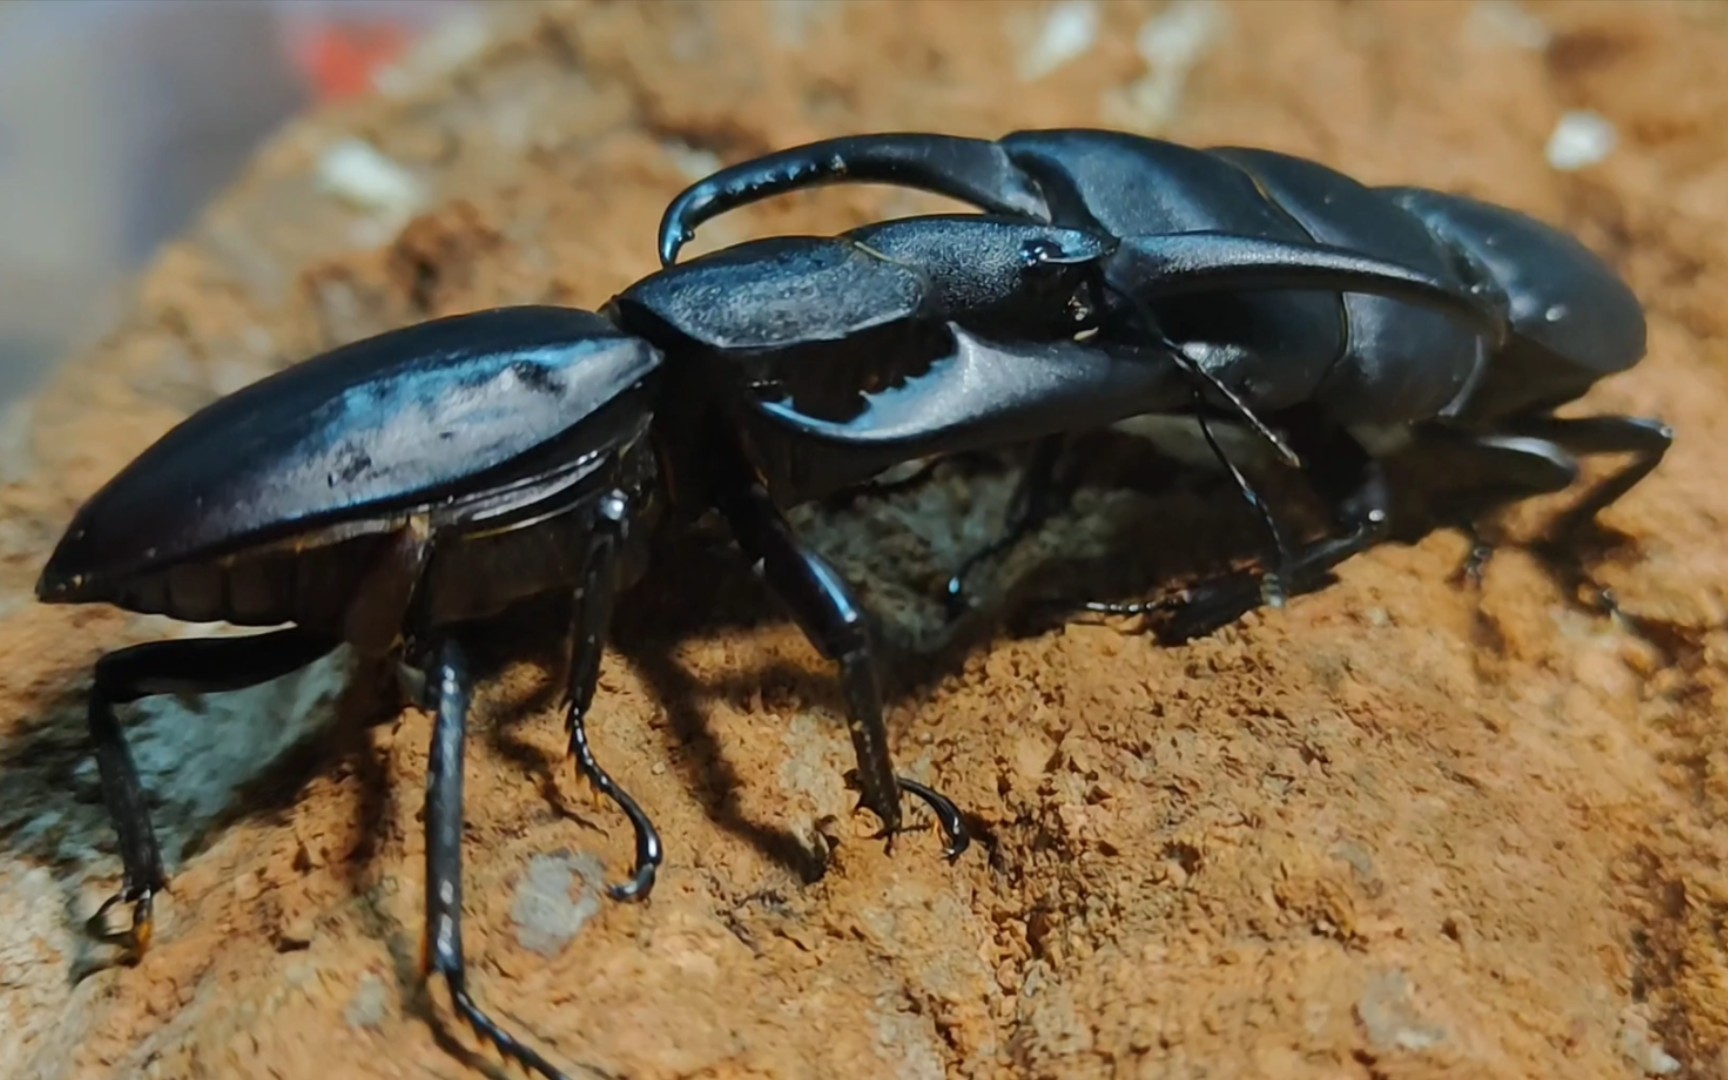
(307, 584)
(1573, 319)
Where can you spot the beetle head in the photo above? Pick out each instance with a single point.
(1001, 277)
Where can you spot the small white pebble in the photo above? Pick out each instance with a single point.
(357, 173)
(1171, 43)
(1179, 34)
(694, 162)
(1581, 139)
(1070, 30)
(1500, 22)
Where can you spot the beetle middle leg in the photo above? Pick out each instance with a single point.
(1351, 483)
(210, 665)
(450, 690)
(838, 626)
(1037, 495)
(593, 615)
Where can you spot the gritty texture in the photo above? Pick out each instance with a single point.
(1400, 829)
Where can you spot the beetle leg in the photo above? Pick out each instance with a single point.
(838, 626)
(210, 665)
(1275, 581)
(1462, 475)
(1553, 440)
(593, 616)
(1035, 499)
(1646, 440)
(451, 690)
(882, 489)
(1352, 483)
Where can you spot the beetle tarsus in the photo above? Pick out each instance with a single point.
(135, 939)
(955, 834)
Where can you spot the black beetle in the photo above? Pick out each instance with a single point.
(1355, 373)
(393, 492)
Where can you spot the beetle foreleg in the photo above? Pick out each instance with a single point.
(169, 667)
(588, 638)
(451, 690)
(837, 625)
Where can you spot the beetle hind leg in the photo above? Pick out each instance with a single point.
(1645, 441)
(209, 665)
(593, 615)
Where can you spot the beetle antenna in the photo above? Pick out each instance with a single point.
(1272, 587)
(1149, 324)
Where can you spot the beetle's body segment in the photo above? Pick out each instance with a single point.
(1378, 357)
(1548, 319)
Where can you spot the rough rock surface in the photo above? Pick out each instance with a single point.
(1401, 829)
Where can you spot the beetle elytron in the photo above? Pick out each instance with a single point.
(391, 493)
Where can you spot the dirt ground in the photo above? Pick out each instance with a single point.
(1400, 829)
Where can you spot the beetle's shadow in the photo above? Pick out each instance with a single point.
(52, 813)
(703, 587)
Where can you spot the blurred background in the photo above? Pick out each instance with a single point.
(120, 118)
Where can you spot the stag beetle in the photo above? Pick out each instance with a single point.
(1349, 376)
(394, 492)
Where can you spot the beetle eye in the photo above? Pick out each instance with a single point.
(1082, 310)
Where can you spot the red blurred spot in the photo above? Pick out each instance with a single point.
(340, 60)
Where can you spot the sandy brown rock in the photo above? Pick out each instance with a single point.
(1397, 830)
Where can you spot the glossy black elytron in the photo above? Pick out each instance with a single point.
(392, 493)
(1356, 363)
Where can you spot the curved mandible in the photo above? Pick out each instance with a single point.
(1171, 264)
(987, 393)
(974, 171)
